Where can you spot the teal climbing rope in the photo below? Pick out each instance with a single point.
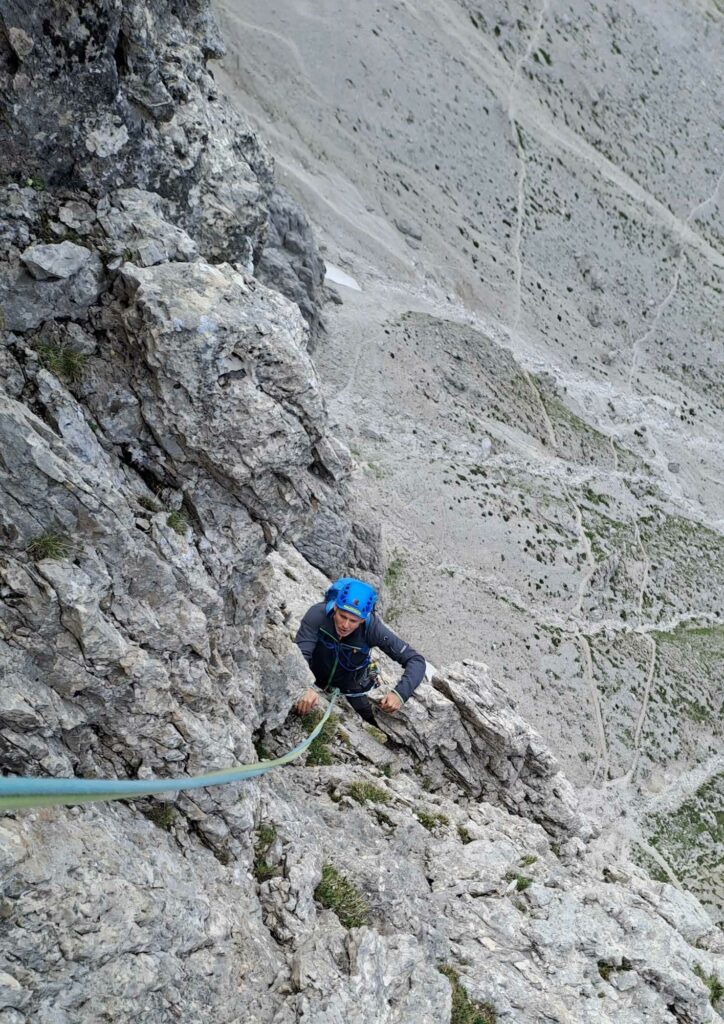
(17, 792)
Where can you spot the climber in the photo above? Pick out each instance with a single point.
(335, 637)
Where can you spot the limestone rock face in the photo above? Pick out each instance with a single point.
(170, 500)
(226, 382)
(56, 280)
(118, 95)
(289, 261)
(463, 725)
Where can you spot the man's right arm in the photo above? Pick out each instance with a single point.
(306, 641)
(308, 632)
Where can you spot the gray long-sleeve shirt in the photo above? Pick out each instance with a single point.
(343, 662)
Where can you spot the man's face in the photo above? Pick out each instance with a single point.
(344, 622)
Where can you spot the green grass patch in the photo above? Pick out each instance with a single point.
(376, 733)
(593, 498)
(465, 836)
(178, 522)
(529, 859)
(431, 820)
(67, 365)
(691, 839)
(464, 1010)
(364, 791)
(716, 988)
(264, 839)
(49, 545)
(337, 893)
(647, 862)
(393, 572)
(319, 753)
(522, 882)
(162, 815)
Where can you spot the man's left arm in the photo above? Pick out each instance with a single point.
(380, 635)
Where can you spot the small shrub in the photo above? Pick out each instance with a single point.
(716, 988)
(177, 521)
(337, 893)
(464, 1010)
(363, 791)
(49, 545)
(386, 770)
(264, 838)
(431, 820)
(162, 815)
(67, 365)
(393, 572)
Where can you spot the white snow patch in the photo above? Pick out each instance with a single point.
(334, 275)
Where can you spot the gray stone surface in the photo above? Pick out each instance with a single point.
(168, 484)
(290, 262)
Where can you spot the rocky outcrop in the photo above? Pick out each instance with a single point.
(465, 727)
(290, 262)
(117, 96)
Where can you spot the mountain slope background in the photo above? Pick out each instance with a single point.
(529, 199)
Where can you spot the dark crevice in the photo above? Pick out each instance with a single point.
(11, 62)
(120, 55)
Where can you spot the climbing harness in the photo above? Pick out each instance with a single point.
(17, 792)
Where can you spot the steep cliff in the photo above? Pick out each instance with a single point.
(169, 484)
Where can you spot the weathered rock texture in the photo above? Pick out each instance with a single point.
(163, 448)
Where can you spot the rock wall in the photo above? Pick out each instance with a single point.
(162, 439)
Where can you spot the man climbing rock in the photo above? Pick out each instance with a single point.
(335, 637)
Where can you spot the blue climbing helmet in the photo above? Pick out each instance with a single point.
(353, 596)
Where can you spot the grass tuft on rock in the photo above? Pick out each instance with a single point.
(178, 522)
(431, 820)
(264, 838)
(337, 893)
(49, 545)
(161, 814)
(67, 365)
(522, 882)
(716, 988)
(319, 752)
(464, 1010)
(364, 791)
(375, 733)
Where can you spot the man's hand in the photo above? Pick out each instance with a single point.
(391, 702)
(308, 701)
